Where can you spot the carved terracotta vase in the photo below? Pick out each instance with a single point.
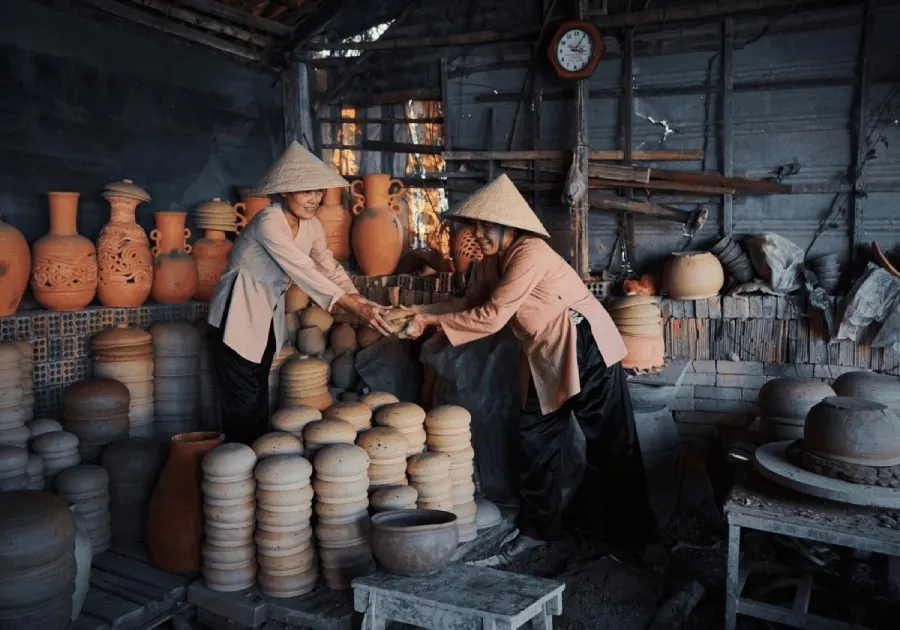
(174, 271)
(377, 235)
(464, 249)
(211, 254)
(64, 263)
(123, 251)
(15, 267)
(245, 210)
(337, 221)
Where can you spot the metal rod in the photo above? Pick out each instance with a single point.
(726, 136)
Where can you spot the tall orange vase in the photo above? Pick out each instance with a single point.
(211, 253)
(378, 234)
(123, 251)
(174, 271)
(15, 267)
(336, 220)
(175, 518)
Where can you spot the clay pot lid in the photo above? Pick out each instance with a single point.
(341, 460)
(356, 413)
(343, 337)
(180, 338)
(428, 464)
(448, 417)
(10, 355)
(632, 300)
(25, 349)
(277, 443)
(17, 434)
(35, 523)
(40, 426)
(383, 443)
(283, 469)
(400, 415)
(35, 465)
(95, 397)
(82, 479)
(215, 206)
(292, 419)
(329, 432)
(13, 459)
(377, 400)
(303, 368)
(229, 460)
(394, 497)
(54, 442)
(126, 189)
(122, 336)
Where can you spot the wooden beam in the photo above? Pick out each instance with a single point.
(645, 208)
(860, 132)
(298, 118)
(578, 205)
(697, 11)
(677, 155)
(213, 7)
(398, 43)
(725, 128)
(696, 189)
(397, 97)
(626, 105)
(740, 185)
(205, 23)
(602, 171)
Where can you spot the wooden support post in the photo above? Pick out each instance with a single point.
(626, 112)
(860, 130)
(298, 119)
(727, 136)
(578, 209)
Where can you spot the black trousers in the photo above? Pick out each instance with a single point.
(611, 500)
(242, 387)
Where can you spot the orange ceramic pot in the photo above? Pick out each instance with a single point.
(464, 249)
(644, 353)
(336, 221)
(378, 234)
(64, 264)
(175, 517)
(245, 210)
(15, 267)
(174, 271)
(374, 191)
(123, 257)
(693, 276)
(211, 254)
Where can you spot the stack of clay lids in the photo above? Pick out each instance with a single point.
(389, 498)
(277, 443)
(59, 450)
(409, 419)
(429, 474)
(784, 404)
(229, 509)
(27, 365)
(133, 466)
(294, 419)
(13, 468)
(284, 538)
(387, 450)
(377, 400)
(287, 351)
(87, 488)
(125, 189)
(343, 339)
(176, 378)
(341, 488)
(40, 426)
(304, 381)
(321, 433)
(96, 410)
(639, 321)
(126, 355)
(13, 413)
(449, 431)
(356, 413)
(35, 471)
(216, 215)
(209, 400)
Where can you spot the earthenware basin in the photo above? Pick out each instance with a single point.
(791, 397)
(414, 542)
(853, 430)
(881, 388)
(692, 276)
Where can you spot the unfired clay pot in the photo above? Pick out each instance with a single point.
(211, 255)
(356, 413)
(64, 264)
(378, 235)
(414, 542)
(790, 399)
(343, 337)
(311, 340)
(693, 276)
(341, 462)
(293, 419)
(337, 221)
(247, 209)
(123, 251)
(377, 400)
(15, 267)
(464, 249)
(174, 271)
(277, 443)
(882, 388)
(853, 430)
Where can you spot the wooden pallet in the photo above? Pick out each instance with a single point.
(128, 593)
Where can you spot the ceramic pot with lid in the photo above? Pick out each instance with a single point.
(853, 430)
(124, 260)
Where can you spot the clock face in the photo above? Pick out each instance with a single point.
(575, 50)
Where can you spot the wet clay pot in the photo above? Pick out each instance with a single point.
(693, 276)
(211, 255)
(336, 220)
(15, 266)
(247, 209)
(174, 271)
(464, 249)
(414, 542)
(123, 252)
(853, 430)
(64, 264)
(882, 388)
(378, 233)
(175, 519)
(790, 399)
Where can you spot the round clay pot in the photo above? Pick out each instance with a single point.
(376, 239)
(356, 413)
(853, 430)
(82, 481)
(229, 462)
(95, 398)
(433, 490)
(273, 543)
(277, 443)
(447, 420)
(123, 251)
(881, 388)
(400, 415)
(315, 315)
(211, 256)
(448, 443)
(337, 536)
(298, 559)
(15, 261)
(341, 462)
(464, 249)
(311, 340)
(343, 371)
(343, 338)
(384, 445)
(387, 474)
(791, 397)
(414, 542)
(336, 221)
(692, 276)
(64, 264)
(644, 353)
(282, 521)
(366, 336)
(325, 432)
(174, 271)
(394, 498)
(231, 579)
(294, 419)
(286, 498)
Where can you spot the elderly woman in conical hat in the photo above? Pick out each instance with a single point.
(282, 244)
(573, 353)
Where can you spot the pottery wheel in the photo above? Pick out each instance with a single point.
(881, 476)
(772, 463)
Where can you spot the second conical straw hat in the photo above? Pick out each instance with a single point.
(500, 202)
(298, 170)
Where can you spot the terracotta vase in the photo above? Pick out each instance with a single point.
(174, 271)
(175, 518)
(123, 257)
(644, 353)
(15, 267)
(245, 210)
(378, 234)
(464, 249)
(211, 254)
(336, 221)
(64, 265)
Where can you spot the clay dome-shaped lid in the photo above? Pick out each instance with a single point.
(356, 413)
(277, 443)
(100, 397)
(329, 432)
(15, 435)
(123, 336)
(35, 465)
(448, 417)
(791, 397)
(13, 459)
(40, 426)
(229, 460)
(428, 465)
(394, 497)
(134, 460)
(377, 400)
(126, 189)
(176, 338)
(215, 206)
(401, 415)
(882, 388)
(83, 479)
(283, 469)
(10, 356)
(383, 443)
(853, 430)
(292, 419)
(54, 442)
(341, 460)
(303, 368)
(38, 528)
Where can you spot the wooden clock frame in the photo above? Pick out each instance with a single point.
(592, 32)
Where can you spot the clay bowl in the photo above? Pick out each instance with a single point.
(853, 430)
(414, 542)
(881, 388)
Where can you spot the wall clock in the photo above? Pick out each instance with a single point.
(575, 49)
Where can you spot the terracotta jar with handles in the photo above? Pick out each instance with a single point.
(377, 235)
(123, 251)
(211, 254)
(174, 271)
(245, 210)
(64, 264)
(336, 220)
(15, 267)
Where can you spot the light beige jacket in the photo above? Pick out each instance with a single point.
(265, 259)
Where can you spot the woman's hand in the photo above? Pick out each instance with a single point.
(367, 311)
(418, 324)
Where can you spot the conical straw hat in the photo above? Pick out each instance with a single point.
(298, 170)
(500, 202)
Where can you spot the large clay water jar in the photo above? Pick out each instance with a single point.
(15, 266)
(249, 208)
(336, 220)
(211, 254)
(64, 264)
(693, 276)
(175, 518)
(378, 233)
(123, 251)
(174, 271)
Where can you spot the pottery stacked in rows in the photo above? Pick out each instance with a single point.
(449, 431)
(304, 381)
(357, 414)
(34, 468)
(13, 413)
(133, 466)
(408, 419)
(429, 474)
(229, 510)
(37, 553)
(277, 443)
(87, 488)
(342, 502)
(287, 351)
(209, 402)
(733, 258)
(389, 498)
(27, 365)
(387, 449)
(321, 433)
(176, 378)
(13, 468)
(126, 355)
(784, 404)
(59, 451)
(639, 321)
(96, 410)
(284, 537)
(294, 419)
(377, 400)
